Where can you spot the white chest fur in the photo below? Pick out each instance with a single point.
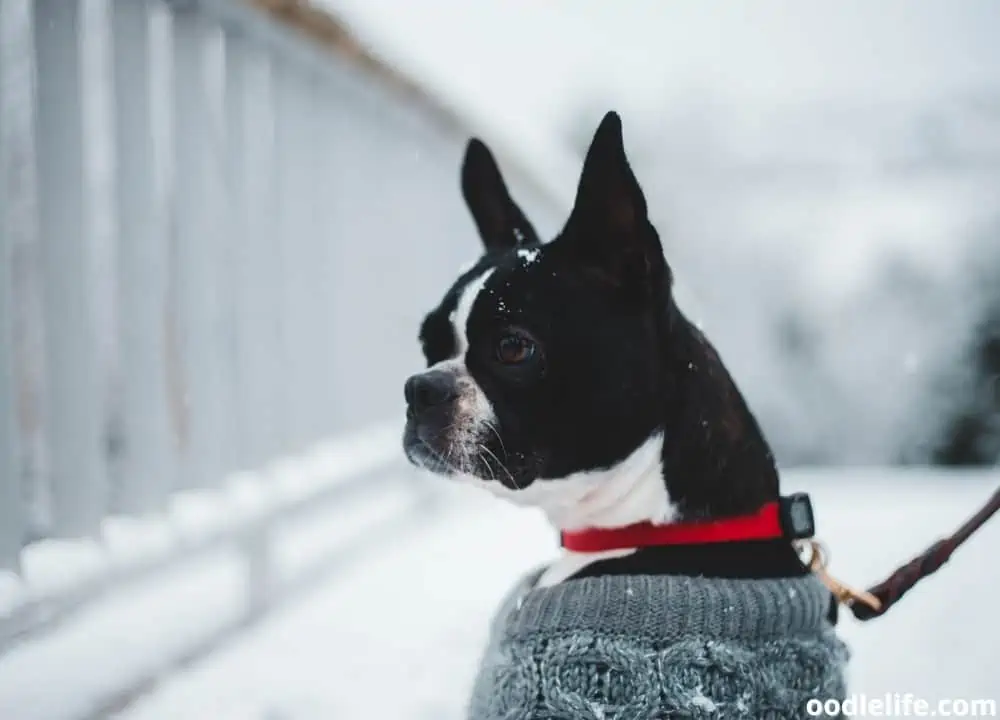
(630, 491)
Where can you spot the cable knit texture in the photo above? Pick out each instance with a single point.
(645, 647)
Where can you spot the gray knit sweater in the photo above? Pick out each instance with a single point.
(645, 647)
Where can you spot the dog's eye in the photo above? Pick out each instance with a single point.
(515, 349)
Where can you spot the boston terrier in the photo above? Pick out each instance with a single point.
(565, 376)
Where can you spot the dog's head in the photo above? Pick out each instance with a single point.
(563, 375)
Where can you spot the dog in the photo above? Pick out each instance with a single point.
(564, 376)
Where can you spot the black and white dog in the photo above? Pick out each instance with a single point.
(564, 376)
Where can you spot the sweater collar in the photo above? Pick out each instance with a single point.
(668, 608)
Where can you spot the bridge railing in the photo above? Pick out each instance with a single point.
(216, 241)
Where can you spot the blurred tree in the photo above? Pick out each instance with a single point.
(972, 437)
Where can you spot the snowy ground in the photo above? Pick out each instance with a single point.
(396, 633)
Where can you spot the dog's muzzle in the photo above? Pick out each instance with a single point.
(431, 398)
(428, 391)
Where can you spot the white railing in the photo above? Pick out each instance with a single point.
(213, 237)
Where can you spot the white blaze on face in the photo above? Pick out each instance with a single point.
(474, 415)
(463, 308)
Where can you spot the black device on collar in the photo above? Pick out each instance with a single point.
(797, 519)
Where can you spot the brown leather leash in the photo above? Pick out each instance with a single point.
(876, 601)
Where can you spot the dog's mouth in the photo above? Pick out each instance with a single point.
(425, 457)
(423, 451)
(429, 449)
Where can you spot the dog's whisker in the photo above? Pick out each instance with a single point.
(502, 467)
(496, 432)
(480, 458)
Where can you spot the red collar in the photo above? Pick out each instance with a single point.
(765, 524)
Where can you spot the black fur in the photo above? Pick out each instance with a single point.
(753, 559)
(500, 222)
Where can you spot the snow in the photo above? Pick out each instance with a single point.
(144, 630)
(65, 674)
(11, 592)
(528, 256)
(398, 630)
(198, 517)
(53, 565)
(703, 702)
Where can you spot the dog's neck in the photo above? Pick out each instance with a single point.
(633, 491)
(708, 460)
(630, 492)
(716, 462)
(712, 461)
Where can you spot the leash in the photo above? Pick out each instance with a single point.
(789, 518)
(888, 592)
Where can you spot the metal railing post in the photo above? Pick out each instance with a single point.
(292, 152)
(250, 411)
(326, 211)
(266, 275)
(316, 248)
(200, 254)
(259, 380)
(74, 414)
(11, 505)
(146, 464)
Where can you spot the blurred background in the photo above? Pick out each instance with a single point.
(221, 223)
(824, 176)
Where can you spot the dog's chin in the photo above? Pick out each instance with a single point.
(481, 468)
(421, 453)
(423, 456)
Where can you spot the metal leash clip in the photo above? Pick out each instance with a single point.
(818, 560)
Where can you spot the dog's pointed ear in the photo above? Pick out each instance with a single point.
(500, 222)
(609, 225)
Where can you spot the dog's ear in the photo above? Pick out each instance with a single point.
(609, 226)
(500, 221)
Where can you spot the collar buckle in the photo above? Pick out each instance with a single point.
(796, 516)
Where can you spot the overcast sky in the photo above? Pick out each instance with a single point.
(523, 72)
(769, 49)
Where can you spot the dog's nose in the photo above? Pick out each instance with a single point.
(428, 389)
